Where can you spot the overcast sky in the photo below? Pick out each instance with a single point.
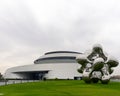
(29, 28)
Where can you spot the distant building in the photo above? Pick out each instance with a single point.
(57, 64)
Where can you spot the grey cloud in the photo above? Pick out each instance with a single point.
(70, 25)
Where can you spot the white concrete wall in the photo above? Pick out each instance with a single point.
(59, 70)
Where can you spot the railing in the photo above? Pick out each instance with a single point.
(6, 82)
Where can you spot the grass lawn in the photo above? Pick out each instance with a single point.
(61, 88)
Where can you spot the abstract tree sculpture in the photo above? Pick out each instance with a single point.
(96, 65)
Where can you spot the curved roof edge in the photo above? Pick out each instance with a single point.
(53, 52)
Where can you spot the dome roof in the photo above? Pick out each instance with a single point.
(57, 57)
(54, 52)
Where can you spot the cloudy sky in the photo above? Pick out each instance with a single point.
(29, 28)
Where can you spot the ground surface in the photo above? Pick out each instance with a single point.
(61, 88)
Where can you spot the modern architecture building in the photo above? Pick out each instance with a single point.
(57, 64)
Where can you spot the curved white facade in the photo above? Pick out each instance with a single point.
(58, 64)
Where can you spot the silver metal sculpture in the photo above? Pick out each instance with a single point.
(96, 65)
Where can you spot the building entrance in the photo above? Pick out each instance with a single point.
(36, 75)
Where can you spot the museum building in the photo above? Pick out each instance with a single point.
(56, 64)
